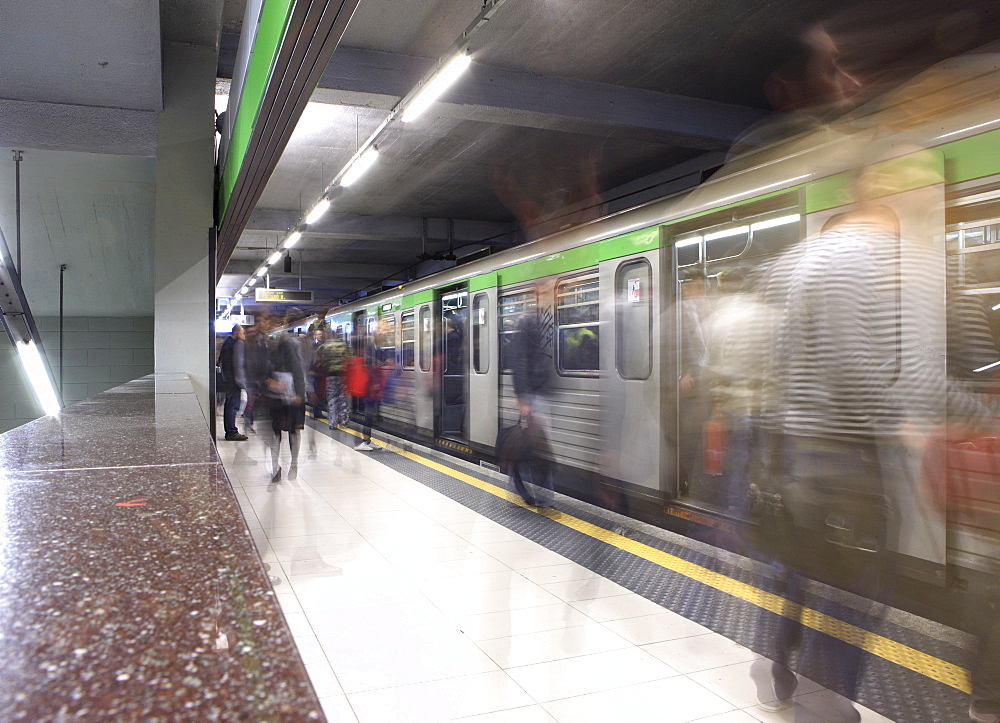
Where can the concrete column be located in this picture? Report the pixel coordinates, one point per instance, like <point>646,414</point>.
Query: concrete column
<point>183,215</point>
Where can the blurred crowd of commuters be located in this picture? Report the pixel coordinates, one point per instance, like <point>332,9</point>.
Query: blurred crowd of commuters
<point>271,379</point>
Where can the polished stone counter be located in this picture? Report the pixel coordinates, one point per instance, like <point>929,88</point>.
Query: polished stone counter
<point>130,588</point>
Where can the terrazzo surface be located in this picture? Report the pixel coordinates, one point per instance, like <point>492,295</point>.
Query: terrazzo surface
<point>130,588</point>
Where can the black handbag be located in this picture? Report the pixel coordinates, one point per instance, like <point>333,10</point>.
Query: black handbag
<point>510,447</point>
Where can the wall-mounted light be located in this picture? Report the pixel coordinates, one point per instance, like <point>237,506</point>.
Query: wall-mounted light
<point>357,169</point>
<point>38,377</point>
<point>436,86</point>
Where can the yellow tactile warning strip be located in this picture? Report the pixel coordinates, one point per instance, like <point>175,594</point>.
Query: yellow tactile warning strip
<point>910,658</point>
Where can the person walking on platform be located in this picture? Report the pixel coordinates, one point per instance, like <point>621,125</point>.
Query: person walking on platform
<point>378,368</point>
<point>286,385</point>
<point>531,366</point>
<point>331,357</point>
<point>232,360</point>
<point>257,354</point>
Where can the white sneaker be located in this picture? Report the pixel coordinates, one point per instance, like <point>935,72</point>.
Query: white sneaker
<point>363,447</point>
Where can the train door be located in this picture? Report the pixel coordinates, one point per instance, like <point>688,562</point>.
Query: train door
<point>630,359</point>
<point>452,363</point>
<point>424,397</point>
<point>484,363</point>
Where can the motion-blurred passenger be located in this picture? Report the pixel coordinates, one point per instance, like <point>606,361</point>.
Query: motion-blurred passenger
<point>834,421</point>
<point>331,357</point>
<point>232,360</point>
<point>531,368</point>
<point>286,389</point>
<point>734,370</point>
<point>693,393</point>
<point>257,361</point>
<point>378,365</point>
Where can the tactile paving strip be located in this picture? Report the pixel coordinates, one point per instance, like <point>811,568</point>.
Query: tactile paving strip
<point>907,676</point>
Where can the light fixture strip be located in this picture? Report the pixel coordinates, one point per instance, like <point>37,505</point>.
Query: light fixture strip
<point>726,233</point>
<point>459,47</point>
<point>436,86</point>
<point>38,377</point>
<point>771,223</point>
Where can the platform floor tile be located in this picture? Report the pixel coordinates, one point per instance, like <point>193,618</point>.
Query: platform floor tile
<point>409,604</point>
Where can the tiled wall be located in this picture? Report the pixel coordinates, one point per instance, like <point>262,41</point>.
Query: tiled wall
<point>100,353</point>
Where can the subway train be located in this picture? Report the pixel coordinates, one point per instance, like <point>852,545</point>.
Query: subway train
<point>609,292</point>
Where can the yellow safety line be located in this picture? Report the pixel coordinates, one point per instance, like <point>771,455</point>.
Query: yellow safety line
<point>885,648</point>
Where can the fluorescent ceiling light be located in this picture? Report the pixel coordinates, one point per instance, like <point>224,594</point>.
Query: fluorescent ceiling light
<point>38,377</point>
<point>275,257</point>
<point>293,237</point>
<point>436,86</point>
<point>318,210</point>
<point>688,242</point>
<point>362,164</point>
<point>988,366</point>
<point>771,223</point>
<point>262,272</point>
<point>726,233</point>
<point>253,281</point>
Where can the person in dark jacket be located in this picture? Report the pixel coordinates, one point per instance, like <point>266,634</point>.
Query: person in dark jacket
<point>257,360</point>
<point>232,360</point>
<point>286,384</point>
<point>531,368</point>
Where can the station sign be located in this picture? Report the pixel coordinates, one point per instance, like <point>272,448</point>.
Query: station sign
<point>283,296</point>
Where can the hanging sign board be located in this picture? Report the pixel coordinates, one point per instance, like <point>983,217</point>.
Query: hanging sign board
<point>283,296</point>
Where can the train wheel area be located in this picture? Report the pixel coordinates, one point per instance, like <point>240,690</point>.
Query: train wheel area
<point>420,587</point>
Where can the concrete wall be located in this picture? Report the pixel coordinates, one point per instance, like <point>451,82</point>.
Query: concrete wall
<point>100,353</point>
<point>183,216</point>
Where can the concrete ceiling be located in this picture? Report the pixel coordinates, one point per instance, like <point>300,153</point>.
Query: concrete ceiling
<point>81,95</point>
<point>572,108</point>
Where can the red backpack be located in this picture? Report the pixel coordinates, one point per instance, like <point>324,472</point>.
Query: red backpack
<point>356,377</point>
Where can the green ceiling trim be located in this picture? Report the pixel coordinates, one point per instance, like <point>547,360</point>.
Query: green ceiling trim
<point>270,33</point>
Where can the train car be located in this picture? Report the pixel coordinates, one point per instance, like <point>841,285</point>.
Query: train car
<point>625,430</point>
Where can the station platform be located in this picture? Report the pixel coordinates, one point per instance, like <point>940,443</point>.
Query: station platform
<point>420,588</point>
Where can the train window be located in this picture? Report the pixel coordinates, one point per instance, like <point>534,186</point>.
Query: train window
<point>385,338</point>
<point>408,334</point>
<point>688,250</point>
<point>480,333</point>
<point>726,243</point>
<point>578,311</point>
<point>511,307</point>
<point>426,339</point>
<point>634,320</point>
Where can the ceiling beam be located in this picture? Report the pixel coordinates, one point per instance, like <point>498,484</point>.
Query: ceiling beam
<point>65,127</point>
<point>374,79</point>
<point>323,270</point>
<point>383,228</point>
